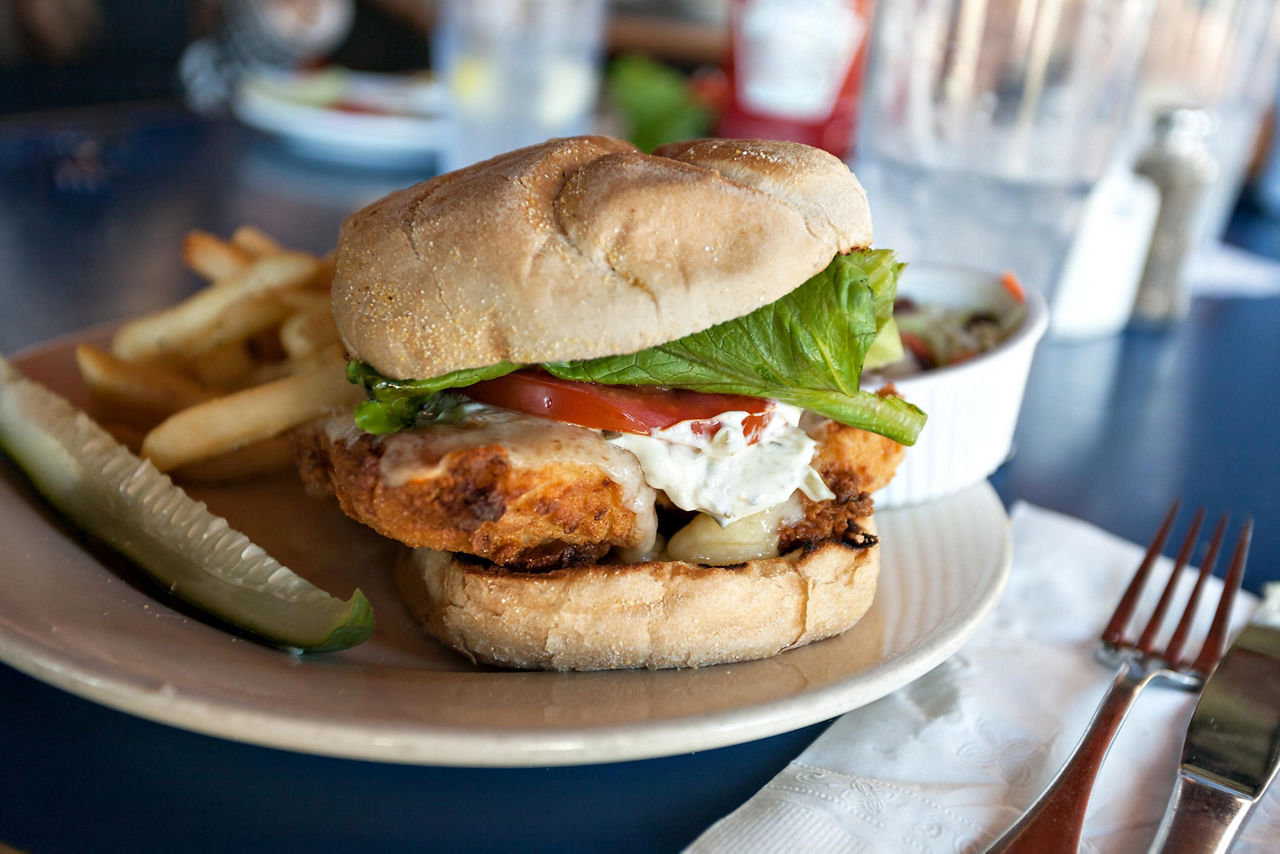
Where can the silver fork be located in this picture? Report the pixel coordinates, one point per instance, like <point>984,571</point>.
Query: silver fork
<point>1054,822</point>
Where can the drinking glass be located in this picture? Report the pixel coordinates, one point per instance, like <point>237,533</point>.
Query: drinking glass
<point>1222,57</point>
<point>986,122</point>
<point>517,71</point>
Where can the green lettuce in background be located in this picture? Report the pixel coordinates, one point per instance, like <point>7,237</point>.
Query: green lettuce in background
<point>808,349</point>
<point>655,102</point>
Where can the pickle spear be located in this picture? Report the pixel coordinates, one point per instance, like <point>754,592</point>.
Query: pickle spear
<point>124,501</point>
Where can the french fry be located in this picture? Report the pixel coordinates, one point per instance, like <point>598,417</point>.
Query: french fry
<point>226,423</point>
<point>304,300</point>
<point>261,458</point>
<point>255,241</point>
<point>261,335</point>
<point>212,257</point>
<point>176,328</point>
<point>240,321</point>
<point>308,332</point>
<point>136,394</point>
<point>266,372</point>
<point>323,279</point>
<point>227,366</point>
<point>265,347</point>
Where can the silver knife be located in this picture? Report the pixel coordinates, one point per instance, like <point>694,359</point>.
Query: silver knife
<point>1232,748</point>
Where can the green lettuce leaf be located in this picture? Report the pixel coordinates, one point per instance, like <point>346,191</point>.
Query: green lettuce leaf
<point>398,404</point>
<point>885,349</point>
<point>806,349</point>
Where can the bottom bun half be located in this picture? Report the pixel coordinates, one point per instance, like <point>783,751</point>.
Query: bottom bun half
<point>652,615</point>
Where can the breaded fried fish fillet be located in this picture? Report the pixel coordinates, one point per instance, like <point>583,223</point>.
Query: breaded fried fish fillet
<point>524,492</point>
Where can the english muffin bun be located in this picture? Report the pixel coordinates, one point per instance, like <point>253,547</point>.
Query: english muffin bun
<point>585,247</point>
<point>654,615</point>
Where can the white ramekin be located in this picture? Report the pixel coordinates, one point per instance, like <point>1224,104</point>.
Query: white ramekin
<point>973,406</point>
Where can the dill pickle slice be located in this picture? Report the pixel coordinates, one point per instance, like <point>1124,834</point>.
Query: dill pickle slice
<point>124,501</point>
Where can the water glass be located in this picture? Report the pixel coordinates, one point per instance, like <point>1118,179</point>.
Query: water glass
<point>517,71</point>
<point>986,122</point>
<point>1222,57</point>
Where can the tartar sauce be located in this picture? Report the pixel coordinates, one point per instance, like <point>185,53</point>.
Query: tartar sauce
<point>722,475</point>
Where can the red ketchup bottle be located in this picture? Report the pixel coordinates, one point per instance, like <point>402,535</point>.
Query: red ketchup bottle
<point>795,70</point>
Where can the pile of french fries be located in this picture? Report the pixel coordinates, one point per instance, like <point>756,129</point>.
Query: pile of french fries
<point>208,389</point>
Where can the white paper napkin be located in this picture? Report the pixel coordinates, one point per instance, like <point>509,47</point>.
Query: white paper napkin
<point>948,762</point>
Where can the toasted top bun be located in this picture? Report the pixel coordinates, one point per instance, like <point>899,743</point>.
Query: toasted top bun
<point>585,247</point>
<point>653,615</point>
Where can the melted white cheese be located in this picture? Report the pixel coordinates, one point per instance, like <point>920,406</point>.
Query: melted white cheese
<point>723,476</point>
<point>749,538</point>
<point>342,428</point>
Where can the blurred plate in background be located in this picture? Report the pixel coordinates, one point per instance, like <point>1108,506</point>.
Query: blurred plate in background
<point>348,117</point>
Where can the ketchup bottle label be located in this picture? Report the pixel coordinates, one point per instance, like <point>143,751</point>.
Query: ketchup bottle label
<point>795,68</point>
<point>793,58</point>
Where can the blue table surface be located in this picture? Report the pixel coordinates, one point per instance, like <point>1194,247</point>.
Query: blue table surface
<point>92,207</point>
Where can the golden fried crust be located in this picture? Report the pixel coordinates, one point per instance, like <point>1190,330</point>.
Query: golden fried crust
<point>835,519</point>
<point>845,452</point>
<point>853,463</point>
<point>551,515</point>
<point>478,501</point>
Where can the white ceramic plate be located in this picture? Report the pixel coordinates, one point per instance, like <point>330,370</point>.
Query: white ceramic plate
<point>348,117</point>
<point>86,622</point>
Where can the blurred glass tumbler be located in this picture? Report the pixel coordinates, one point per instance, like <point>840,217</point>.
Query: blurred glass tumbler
<point>517,71</point>
<point>1223,57</point>
<point>986,122</point>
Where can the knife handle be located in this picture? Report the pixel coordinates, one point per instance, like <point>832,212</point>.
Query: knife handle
<point>1202,818</point>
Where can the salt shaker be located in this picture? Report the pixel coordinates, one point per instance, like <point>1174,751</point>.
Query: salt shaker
<point>1178,161</point>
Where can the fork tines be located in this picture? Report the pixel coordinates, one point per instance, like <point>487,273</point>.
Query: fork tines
<point>1215,641</point>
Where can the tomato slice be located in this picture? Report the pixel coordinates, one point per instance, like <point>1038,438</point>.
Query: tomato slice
<point>624,408</point>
